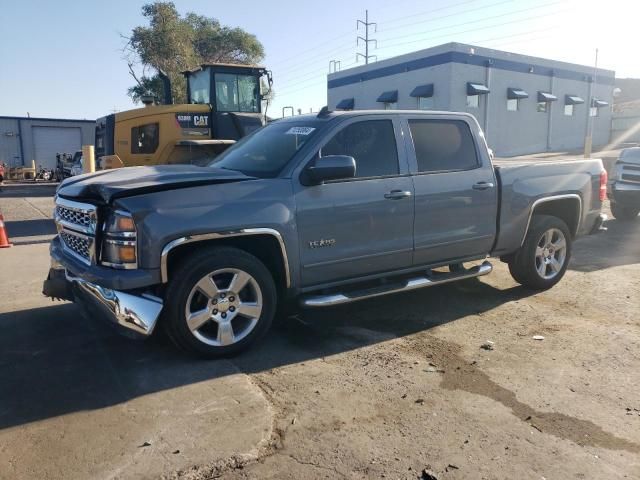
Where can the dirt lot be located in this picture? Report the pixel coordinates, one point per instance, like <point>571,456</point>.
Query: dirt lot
<point>397,387</point>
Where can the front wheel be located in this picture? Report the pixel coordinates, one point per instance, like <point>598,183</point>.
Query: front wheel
<point>219,301</point>
<point>542,260</point>
<point>624,213</point>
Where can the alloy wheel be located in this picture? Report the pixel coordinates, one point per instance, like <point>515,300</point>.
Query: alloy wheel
<point>223,307</point>
<point>551,253</point>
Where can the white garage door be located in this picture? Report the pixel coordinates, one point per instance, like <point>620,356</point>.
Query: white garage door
<point>47,141</point>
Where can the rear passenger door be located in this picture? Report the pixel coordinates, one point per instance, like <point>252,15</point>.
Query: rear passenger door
<point>364,225</point>
<point>455,190</point>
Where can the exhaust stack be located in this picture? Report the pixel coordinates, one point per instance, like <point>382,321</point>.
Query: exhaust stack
<point>166,86</point>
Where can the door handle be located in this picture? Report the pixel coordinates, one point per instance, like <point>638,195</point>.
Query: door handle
<point>397,194</point>
<point>483,185</point>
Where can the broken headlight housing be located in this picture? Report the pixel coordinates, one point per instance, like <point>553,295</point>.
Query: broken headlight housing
<point>119,244</point>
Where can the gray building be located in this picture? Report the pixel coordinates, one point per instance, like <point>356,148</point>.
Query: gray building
<point>524,104</point>
<point>23,139</point>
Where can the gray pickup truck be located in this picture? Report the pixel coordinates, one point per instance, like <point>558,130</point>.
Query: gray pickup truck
<point>313,211</point>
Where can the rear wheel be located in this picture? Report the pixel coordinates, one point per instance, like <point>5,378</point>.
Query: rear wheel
<point>624,213</point>
<point>542,260</point>
<point>219,302</point>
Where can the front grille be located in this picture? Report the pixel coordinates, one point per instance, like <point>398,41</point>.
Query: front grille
<point>79,244</point>
<point>631,178</point>
<point>76,223</point>
<point>76,217</point>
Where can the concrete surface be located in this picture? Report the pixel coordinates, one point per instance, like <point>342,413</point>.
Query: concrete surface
<point>27,210</point>
<point>78,401</point>
<point>381,389</point>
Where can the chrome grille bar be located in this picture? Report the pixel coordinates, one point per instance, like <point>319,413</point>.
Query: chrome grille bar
<point>77,224</point>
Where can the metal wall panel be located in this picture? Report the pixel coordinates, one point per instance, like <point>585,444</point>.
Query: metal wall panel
<point>48,141</point>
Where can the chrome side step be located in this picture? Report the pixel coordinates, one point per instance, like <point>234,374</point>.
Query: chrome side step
<point>410,284</point>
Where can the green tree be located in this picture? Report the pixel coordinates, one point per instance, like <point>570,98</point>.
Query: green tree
<point>174,43</point>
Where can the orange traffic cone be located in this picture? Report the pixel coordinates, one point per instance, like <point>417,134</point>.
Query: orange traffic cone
<point>4,239</point>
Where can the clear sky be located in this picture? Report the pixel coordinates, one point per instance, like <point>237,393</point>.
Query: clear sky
<point>63,58</point>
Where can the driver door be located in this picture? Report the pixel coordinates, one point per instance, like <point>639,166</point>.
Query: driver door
<point>364,225</point>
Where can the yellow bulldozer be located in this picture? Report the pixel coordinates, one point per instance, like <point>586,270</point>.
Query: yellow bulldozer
<point>224,105</point>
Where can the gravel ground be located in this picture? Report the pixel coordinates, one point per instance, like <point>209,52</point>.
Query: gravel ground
<point>399,386</point>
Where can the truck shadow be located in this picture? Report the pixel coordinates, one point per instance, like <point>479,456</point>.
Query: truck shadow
<point>619,245</point>
<point>54,362</point>
<point>29,228</point>
<point>21,190</point>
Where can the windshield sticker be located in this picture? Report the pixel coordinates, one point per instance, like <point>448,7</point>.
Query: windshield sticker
<point>299,131</point>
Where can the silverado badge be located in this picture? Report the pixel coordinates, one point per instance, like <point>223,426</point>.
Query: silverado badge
<point>329,242</point>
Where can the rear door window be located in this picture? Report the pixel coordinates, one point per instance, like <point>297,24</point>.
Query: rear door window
<point>372,143</point>
<point>443,145</point>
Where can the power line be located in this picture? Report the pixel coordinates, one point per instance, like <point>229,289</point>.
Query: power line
<point>446,27</point>
<point>429,20</point>
<point>311,59</point>
<point>503,37</point>
<point>511,22</point>
<point>309,76</point>
<point>517,35</point>
<point>291,60</point>
<point>315,47</point>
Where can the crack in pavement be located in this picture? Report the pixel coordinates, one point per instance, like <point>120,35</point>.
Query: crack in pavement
<point>460,375</point>
<point>313,464</point>
<point>266,447</point>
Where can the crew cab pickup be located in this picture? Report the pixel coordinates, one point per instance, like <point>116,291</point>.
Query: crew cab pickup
<point>314,210</point>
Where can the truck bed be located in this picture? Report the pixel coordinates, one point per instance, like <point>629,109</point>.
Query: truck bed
<point>523,183</point>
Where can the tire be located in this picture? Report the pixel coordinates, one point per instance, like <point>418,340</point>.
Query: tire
<point>225,320</point>
<point>541,262</point>
<point>624,213</point>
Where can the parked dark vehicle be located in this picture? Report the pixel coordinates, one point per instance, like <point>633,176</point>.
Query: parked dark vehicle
<point>624,188</point>
<point>315,211</point>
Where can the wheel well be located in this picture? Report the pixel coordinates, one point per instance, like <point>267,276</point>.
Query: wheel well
<point>265,247</point>
<point>566,209</point>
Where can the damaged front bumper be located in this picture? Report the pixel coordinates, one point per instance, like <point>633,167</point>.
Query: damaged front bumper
<point>136,315</point>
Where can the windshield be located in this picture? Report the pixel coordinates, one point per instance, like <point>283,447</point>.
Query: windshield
<point>237,93</point>
<point>199,86</point>
<point>265,153</point>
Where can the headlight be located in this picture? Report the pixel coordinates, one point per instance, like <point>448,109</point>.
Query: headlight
<point>119,247</point>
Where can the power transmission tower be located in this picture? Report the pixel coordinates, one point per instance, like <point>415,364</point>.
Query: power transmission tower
<point>366,38</point>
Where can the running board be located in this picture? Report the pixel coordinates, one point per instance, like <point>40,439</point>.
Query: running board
<point>435,278</point>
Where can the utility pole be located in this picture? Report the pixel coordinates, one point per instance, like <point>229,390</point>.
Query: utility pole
<point>588,141</point>
<point>366,38</point>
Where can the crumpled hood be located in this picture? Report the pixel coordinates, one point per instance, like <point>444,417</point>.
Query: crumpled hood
<point>108,185</point>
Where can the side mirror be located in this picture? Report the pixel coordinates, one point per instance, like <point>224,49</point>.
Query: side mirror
<point>332,167</point>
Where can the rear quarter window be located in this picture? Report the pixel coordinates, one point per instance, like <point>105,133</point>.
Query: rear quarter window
<point>443,145</point>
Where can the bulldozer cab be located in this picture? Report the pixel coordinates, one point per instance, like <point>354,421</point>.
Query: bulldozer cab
<point>234,93</point>
<point>224,104</point>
